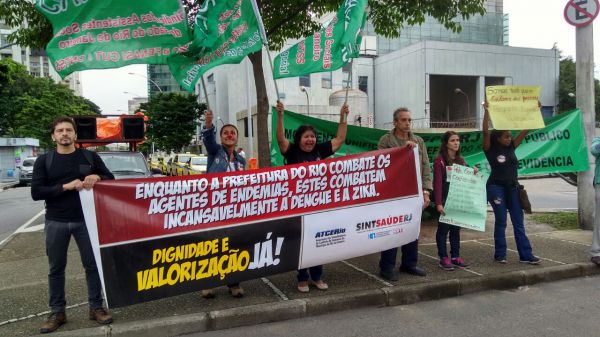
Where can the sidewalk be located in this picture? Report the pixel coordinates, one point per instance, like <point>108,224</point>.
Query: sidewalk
<point>8,184</point>
<point>353,283</point>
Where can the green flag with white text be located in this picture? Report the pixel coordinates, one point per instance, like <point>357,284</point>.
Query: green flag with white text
<point>559,147</point>
<point>100,34</point>
<point>225,32</point>
<point>326,50</point>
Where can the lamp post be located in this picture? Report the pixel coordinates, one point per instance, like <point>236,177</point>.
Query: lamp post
<point>459,91</point>
<point>149,80</point>
<point>303,89</point>
<point>134,94</point>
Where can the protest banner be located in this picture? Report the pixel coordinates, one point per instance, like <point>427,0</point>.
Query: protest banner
<point>161,237</point>
<point>224,32</point>
<point>559,147</point>
<point>514,107</point>
<point>113,33</point>
<point>328,49</point>
<point>466,205</point>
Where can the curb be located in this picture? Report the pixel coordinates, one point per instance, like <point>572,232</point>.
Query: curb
<point>293,309</point>
<point>8,185</point>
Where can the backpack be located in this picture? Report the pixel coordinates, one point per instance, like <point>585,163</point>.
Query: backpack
<point>87,154</point>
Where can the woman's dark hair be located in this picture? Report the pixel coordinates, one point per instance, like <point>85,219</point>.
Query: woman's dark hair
<point>62,119</point>
<point>231,125</point>
<point>495,137</point>
<point>301,130</point>
<point>444,149</point>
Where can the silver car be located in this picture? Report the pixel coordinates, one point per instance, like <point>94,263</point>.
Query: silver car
<point>127,165</point>
<point>26,170</point>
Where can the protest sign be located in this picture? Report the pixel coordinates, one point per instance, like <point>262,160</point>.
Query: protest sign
<point>328,49</point>
<point>224,32</point>
<point>466,205</point>
<point>161,237</point>
<point>113,33</point>
<point>514,107</point>
<point>559,147</point>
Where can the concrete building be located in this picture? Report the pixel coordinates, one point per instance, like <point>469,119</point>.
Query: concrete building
<point>12,153</point>
<point>36,61</point>
<point>160,80</point>
<point>134,104</point>
<point>422,70</point>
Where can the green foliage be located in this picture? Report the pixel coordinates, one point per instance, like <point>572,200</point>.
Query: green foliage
<point>28,104</point>
<point>172,120</point>
<point>567,84</point>
<point>560,220</point>
<point>38,30</point>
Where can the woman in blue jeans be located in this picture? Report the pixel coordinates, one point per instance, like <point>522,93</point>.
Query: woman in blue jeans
<point>503,191</point>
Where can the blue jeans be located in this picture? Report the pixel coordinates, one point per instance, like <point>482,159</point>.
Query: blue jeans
<point>502,199</point>
<point>410,255</point>
<point>314,273</point>
<point>58,235</point>
<point>440,239</point>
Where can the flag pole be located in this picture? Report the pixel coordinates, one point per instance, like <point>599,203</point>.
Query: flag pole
<point>261,27</point>
<point>205,92</point>
<point>349,81</point>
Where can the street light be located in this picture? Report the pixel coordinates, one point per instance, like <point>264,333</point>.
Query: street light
<point>134,94</point>
<point>149,80</point>
<point>303,89</point>
<point>459,91</point>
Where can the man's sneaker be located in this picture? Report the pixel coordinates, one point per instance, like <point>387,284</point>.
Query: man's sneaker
<point>459,262</point>
<point>54,321</point>
<point>208,293</point>
<point>445,264</point>
<point>389,275</point>
<point>533,260</point>
<point>596,260</point>
<point>101,316</point>
<point>236,292</point>
<point>500,259</point>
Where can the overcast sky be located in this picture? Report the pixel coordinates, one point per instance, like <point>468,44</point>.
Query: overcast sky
<point>532,23</point>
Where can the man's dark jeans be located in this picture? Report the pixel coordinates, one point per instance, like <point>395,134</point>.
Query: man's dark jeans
<point>58,236</point>
<point>410,255</point>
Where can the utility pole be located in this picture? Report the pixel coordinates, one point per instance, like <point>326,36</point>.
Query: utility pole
<point>581,14</point>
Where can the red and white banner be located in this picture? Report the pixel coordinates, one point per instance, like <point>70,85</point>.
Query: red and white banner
<point>161,237</point>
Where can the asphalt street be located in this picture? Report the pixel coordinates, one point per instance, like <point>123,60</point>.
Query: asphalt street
<point>563,309</point>
<point>17,209</point>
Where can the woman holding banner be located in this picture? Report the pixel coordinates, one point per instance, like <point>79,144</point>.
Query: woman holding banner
<point>222,158</point>
<point>449,154</point>
<point>306,149</point>
<point>503,190</point>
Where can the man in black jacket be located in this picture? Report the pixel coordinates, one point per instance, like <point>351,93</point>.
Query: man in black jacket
<point>57,178</point>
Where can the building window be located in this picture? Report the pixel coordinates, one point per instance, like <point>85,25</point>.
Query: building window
<point>363,84</point>
<point>211,78</point>
<point>326,80</point>
<point>246,130</point>
<point>304,80</point>
<point>345,74</point>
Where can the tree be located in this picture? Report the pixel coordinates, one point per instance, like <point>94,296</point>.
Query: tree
<point>172,119</point>
<point>285,19</point>
<point>567,85</point>
<point>29,104</point>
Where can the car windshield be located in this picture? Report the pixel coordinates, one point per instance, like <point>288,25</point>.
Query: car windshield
<point>184,159</point>
<point>28,162</point>
<point>199,160</point>
<point>124,163</point>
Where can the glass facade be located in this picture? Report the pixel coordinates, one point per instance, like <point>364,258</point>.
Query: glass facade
<point>159,75</point>
<point>490,28</point>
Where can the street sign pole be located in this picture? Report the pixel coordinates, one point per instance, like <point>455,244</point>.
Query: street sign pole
<point>581,14</point>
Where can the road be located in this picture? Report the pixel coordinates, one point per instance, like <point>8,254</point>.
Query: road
<point>16,209</point>
<point>551,194</point>
<point>562,309</point>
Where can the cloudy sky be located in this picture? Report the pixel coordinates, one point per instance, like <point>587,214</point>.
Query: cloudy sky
<point>532,23</point>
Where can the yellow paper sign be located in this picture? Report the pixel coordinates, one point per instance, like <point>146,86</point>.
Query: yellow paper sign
<point>514,107</point>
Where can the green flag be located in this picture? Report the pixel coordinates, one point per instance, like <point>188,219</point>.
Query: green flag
<point>329,49</point>
<point>225,32</point>
<point>559,147</point>
<point>94,34</point>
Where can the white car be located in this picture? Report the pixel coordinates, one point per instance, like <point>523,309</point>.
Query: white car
<point>26,170</point>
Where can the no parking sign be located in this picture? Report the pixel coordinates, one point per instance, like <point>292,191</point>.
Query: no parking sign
<point>581,13</point>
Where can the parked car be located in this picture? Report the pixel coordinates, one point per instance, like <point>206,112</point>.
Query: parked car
<point>26,170</point>
<point>126,165</point>
<point>177,167</point>
<point>197,165</point>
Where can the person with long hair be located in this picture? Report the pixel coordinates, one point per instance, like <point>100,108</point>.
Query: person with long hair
<point>222,158</point>
<point>306,149</point>
<point>503,190</point>
<point>449,154</point>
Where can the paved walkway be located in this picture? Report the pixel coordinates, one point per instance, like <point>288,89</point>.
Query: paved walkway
<point>353,283</point>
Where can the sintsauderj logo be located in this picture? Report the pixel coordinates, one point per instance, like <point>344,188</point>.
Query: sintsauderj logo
<point>390,221</point>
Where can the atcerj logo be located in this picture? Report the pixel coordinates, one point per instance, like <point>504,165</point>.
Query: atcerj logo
<point>330,232</point>
<point>383,222</point>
